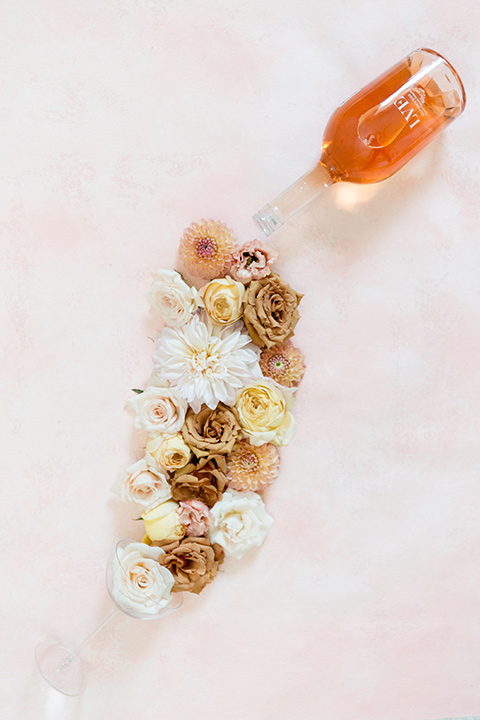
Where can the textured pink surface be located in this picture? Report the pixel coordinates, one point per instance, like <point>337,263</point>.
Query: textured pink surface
<point>121,122</point>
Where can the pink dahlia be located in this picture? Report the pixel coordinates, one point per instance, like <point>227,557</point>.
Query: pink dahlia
<point>252,468</point>
<point>283,363</point>
<point>206,248</point>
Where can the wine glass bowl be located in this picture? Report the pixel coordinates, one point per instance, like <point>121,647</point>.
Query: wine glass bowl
<point>137,584</point>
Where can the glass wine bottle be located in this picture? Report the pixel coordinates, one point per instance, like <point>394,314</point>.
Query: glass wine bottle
<point>376,131</point>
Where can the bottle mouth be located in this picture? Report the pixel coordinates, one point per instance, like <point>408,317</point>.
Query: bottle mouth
<point>268,219</point>
<point>455,74</point>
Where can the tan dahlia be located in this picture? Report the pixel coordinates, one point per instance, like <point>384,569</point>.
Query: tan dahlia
<point>252,468</point>
<point>283,363</point>
<point>206,248</point>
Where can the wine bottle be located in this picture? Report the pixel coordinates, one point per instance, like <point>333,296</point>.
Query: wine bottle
<point>376,131</point>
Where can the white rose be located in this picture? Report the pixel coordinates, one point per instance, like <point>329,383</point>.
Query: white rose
<point>223,300</point>
<point>143,485</point>
<point>155,381</point>
<point>171,452</point>
<point>140,584</point>
<point>172,298</point>
<point>159,410</point>
<point>264,412</point>
<point>240,522</point>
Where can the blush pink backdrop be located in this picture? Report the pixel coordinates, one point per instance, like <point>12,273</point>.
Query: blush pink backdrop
<point>121,122</point>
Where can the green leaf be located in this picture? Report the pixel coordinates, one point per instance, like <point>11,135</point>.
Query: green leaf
<point>136,390</point>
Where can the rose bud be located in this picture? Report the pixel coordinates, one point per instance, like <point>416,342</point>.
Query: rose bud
<point>163,523</point>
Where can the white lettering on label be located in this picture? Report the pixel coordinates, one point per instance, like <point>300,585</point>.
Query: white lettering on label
<point>407,111</point>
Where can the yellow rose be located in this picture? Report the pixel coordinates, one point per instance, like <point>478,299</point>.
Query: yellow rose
<point>163,522</point>
<point>223,300</point>
<point>171,452</point>
<point>264,413</point>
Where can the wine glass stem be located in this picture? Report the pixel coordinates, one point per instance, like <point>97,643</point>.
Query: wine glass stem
<point>76,650</point>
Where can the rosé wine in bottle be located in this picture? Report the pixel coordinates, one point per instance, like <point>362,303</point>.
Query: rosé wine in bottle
<point>376,131</point>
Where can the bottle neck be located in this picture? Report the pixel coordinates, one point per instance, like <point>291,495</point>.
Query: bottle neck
<point>288,203</point>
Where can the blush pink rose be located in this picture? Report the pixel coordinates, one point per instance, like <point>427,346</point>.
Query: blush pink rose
<point>252,262</point>
<point>195,516</point>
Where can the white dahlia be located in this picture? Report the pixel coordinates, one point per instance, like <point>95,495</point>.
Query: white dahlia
<point>205,363</point>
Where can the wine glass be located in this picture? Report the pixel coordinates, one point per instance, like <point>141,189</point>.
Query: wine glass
<point>138,586</point>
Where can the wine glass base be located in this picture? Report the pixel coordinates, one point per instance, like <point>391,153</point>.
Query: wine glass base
<point>60,668</point>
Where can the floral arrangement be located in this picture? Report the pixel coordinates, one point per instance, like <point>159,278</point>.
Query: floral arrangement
<point>215,411</point>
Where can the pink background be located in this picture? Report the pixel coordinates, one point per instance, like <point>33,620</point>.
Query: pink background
<point>121,122</point>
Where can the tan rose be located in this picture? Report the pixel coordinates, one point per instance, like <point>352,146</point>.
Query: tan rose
<point>264,412</point>
<point>270,310</point>
<point>193,563</point>
<point>204,481</point>
<point>163,522</point>
<point>211,432</point>
<point>222,299</point>
<point>172,453</point>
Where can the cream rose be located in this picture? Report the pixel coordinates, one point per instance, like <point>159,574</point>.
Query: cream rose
<point>171,452</point>
<point>172,298</point>
<point>158,410</point>
<point>163,522</point>
<point>142,485</point>
<point>140,584</point>
<point>240,522</point>
<point>155,381</point>
<point>222,299</point>
<point>264,413</point>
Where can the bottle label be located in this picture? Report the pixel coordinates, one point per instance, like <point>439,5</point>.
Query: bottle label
<point>411,106</point>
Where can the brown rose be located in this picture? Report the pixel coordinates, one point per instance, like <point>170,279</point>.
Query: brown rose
<point>211,432</point>
<point>204,481</point>
<point>193,563</point>
<point>270,310</point>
